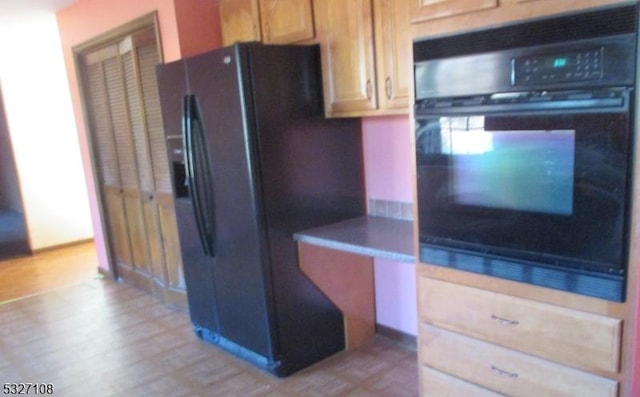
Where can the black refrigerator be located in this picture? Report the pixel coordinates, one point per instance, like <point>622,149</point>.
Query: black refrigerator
<point>254,161</point>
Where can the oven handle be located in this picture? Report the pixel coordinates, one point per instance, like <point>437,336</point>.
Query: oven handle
<point>618,103</point>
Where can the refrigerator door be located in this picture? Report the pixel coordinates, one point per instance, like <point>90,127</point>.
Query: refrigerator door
<point>198,274</point>
<point>240,261</point>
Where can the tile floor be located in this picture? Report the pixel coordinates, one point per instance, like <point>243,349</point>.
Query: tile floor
<point>101,338</point>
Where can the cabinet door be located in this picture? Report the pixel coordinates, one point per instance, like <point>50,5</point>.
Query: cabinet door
<point>286,21</point>
<point>425,10</point>
<point>239,21</point>
<point>345,32</point>
<point>393,53</point>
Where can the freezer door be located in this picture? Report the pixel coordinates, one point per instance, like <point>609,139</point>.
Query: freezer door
<point>239,264</point>
<point>196,264</point>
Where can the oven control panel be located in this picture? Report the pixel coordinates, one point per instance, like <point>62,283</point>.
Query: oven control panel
<point>584,65</point>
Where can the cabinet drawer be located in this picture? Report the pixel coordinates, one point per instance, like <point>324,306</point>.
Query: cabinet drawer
<point>436,383</point>
<point>504,370</point>
<point>571,337</point>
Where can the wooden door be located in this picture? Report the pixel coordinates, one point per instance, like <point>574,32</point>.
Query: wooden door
<point>393,53</point>
<point>286,21</point>
<point>118,96</point>
<point>131,162</point>
<point>240,21</point>
<point>106,157</point>
<point>345,32</point>
<point>158,201</point>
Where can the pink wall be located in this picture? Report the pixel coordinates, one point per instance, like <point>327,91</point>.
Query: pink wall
<point>87,19</point>
<point>396,295</point>
<point>388,154</point>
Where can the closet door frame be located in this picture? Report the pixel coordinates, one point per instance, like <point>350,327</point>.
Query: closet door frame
<point>109,38</point>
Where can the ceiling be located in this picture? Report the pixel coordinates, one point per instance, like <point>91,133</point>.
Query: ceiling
<point>13,8</point>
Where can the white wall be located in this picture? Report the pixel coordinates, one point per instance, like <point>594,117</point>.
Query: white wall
<point>43,131</point>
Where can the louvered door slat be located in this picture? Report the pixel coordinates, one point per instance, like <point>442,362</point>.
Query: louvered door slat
<point>138,128</point>
<point>147,61</point>
<point>107,158</point>
<point>120,121</point>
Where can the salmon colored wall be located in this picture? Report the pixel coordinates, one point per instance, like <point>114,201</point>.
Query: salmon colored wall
<point>87,19</point>
<point>198,26</point>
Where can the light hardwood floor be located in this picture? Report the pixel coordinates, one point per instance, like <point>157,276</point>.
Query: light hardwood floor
<point>93,337</point>
<point>33,274</point>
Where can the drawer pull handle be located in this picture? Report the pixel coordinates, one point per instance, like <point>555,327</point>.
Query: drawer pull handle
<point>388,87</point>
<point>504,321</point>
<point>503,373</point>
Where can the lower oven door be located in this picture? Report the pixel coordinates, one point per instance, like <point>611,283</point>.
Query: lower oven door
<point>545,185</point>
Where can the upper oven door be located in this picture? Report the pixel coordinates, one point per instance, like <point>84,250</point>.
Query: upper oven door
<point>541,183</point>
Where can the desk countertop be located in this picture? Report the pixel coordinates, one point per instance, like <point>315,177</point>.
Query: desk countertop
<point>379,237</point>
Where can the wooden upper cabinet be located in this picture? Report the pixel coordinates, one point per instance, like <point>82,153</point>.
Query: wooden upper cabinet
<point>366,56</point>
<point>286,21</point>
<point>393,53</point>
<point>425,10</point>
<point>365,45</point>
<point>345,33</point>
<point>239,21</point>
<point>270,21</point>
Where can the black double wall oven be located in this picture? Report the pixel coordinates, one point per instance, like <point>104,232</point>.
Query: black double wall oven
<point>524,138</point>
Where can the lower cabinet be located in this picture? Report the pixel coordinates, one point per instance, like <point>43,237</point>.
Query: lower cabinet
<point>478,342</point>
<point>507,371</point>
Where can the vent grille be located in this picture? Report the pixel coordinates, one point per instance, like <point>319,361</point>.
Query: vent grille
<point>587,25</point>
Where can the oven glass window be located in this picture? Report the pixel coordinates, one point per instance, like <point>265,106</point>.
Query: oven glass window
<point>524,170</point>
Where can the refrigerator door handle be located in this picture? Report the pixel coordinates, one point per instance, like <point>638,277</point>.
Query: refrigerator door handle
<point>197,173</point>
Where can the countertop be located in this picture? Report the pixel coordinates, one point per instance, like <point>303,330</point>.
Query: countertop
<point>374,236</point>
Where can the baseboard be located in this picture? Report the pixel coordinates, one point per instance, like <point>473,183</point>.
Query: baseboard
<point>58,246</point>
<point>106,273</point>
<point>403,339</point>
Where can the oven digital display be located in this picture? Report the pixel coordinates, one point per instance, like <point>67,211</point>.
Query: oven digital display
<point>559,63</point>
<point>565,67</point>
